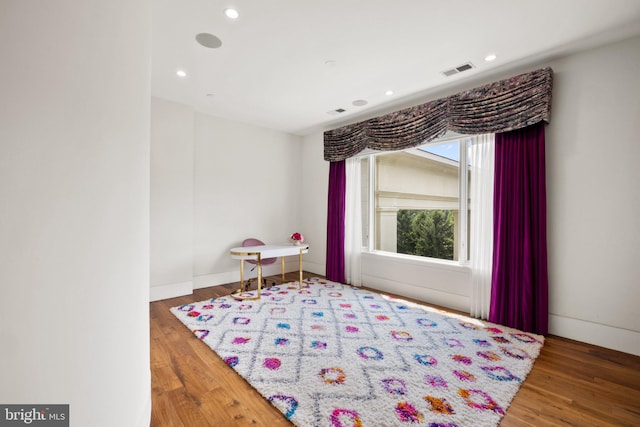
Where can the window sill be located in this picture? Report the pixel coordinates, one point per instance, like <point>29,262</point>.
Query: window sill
<point>419,261</point>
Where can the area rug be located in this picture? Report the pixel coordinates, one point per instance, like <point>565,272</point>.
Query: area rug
<point>336,355</point>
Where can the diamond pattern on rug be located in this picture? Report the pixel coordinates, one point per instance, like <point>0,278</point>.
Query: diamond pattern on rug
<point>335,355</point>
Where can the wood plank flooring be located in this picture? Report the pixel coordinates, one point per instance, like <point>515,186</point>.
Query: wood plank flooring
<point>571,384</point>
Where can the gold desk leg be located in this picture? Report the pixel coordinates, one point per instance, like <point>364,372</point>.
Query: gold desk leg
<point>259,274</point>
<point>238,294</point>
<point>300,267</point>
<point>282,258</point>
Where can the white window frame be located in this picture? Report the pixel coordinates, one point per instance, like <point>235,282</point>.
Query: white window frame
<point>463,223</point>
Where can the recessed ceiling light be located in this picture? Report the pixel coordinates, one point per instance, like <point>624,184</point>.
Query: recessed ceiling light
<point>181,73</point>
<point>360,102</point>
<point>389,92</point>
<point>490,57</point>
<point>231,13</point>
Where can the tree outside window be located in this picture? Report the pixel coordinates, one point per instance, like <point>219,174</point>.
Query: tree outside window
<point>428,233</point>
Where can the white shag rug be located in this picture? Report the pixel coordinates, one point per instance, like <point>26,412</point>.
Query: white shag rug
<point>336,355</point>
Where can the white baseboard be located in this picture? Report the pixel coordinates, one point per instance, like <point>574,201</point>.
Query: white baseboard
<point>171,290</point>
<point>216,279</point>
<point>620,339</point>
<point>311,267</point>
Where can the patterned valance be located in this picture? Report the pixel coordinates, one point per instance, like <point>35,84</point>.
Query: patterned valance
<point>502,106</point>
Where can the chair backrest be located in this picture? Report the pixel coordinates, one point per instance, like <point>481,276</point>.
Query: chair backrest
<point>252,242</point>
<point>257,242</point>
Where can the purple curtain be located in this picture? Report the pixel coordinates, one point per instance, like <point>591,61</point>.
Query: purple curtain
<point>519,286</point>
<point>335,221</point>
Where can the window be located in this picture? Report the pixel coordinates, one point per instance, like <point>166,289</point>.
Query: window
<point>412,201</point>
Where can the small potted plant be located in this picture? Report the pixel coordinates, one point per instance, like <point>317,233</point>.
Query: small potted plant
<point>296,238</point>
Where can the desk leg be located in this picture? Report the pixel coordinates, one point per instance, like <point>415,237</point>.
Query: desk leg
<point>300,267</point>
<point>259,274</point>
<point>239,294</point>
<point>282,258</point>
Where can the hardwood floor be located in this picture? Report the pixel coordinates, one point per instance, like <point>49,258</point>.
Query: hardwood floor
<point>571,384</point>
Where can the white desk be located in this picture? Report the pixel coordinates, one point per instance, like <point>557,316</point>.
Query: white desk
<point>261,252</point>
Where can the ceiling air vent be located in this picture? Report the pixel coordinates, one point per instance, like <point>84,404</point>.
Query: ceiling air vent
<point>336,111</point>
<point>458,69</point>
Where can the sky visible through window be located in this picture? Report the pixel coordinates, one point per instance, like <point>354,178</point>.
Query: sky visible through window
<point>449,150</point>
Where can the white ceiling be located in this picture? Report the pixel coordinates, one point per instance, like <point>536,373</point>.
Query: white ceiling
<point>272,69</point>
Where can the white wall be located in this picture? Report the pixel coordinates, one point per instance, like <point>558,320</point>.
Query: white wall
<point>593,197</point>
<point>74,222</point>
<point>247,184</point>
<point>171,242</point>
<point>315,181</point>
<point>593,204</point>
<point>215,182</point>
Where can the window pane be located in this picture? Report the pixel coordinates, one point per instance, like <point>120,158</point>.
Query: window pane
<point>428,233</point>
<point>417,201</point>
